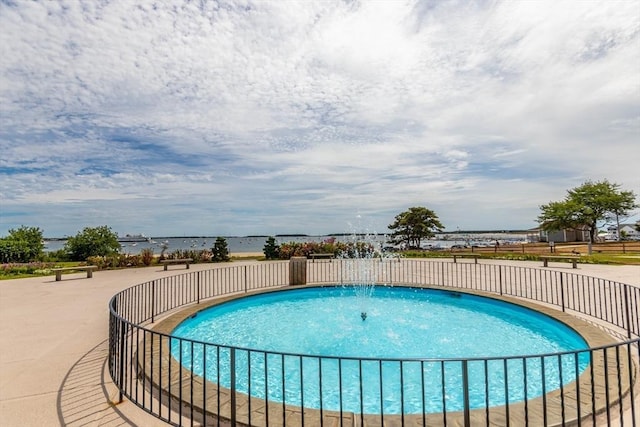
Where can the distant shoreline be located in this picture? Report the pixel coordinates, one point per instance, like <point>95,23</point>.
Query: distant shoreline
<point>444,233</point>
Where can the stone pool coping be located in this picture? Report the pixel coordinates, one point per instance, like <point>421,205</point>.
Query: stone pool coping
<point>173,383</point>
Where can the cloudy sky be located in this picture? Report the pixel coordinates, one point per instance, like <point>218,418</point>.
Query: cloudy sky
<point>264,117</point>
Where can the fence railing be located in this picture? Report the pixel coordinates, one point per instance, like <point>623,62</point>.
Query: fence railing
<point>165,375</point>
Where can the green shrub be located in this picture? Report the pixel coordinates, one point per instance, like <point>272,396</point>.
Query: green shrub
<point>56,256</point>
<point>22,245</point>
<point>220,250</point>
<point>90,242</point>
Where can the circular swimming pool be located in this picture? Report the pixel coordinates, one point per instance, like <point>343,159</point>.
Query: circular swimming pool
<point>402,350</point>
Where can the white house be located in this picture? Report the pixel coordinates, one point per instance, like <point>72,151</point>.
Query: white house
<point>627,231</point>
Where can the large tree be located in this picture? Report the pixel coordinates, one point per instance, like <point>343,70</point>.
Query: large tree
<point>413,225</point>
<point>21,245</point>
<point>587,205</point>
<point>92,241</point>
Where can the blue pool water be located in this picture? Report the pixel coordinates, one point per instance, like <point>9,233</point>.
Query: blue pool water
<point>415,325</point>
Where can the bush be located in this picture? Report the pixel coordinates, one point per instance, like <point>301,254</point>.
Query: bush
<point>92,242</point>
<point>56,256</point>
<point>22,245</point>
<point>146,255</point>
<point>197,255</point>
<point>116,261</point>
<point>328,246</point>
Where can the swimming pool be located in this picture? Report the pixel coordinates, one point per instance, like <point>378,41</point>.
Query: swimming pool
<point>414,353</point>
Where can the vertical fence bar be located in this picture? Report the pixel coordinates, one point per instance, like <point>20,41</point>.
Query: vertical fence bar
<point>606,385</point>
<point>619,379</point>
<point>381,393</point>
<point>506,391</point>
<point>266,389</point>
<point>465,393</point>
<point>245,279</point>
<point>576,372</point>
<point>123,339</point>
<point>627,309</point>
<point>443,389</point>
<point>204,384</point>
<point>631,375</point>
<point>153,298</point>
<point>486,391</point>
<point>301,367</point>
<point>284,400</point>
<point>232,372</point>
<point>526,386</point>
<point>562,291</point>
<point>320,391</point>
<point>198,274</point>
<point>179,368</point>
<point>561,382</point>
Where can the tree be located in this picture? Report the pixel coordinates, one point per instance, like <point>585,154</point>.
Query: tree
<point>622,204</point>
<point>587,205</point>
<point>22,245</point>
<point>410,227</point>
<point>96,241</point>
<point>220,251</point>
<point>271,249</point>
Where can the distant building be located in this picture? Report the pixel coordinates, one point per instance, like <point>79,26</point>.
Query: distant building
<point>627,231</point>
<point>578,234</point>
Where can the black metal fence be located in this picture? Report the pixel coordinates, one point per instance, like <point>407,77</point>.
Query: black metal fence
<point>164,375</point>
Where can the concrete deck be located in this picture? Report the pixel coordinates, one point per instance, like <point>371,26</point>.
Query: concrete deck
<point>54,345</point>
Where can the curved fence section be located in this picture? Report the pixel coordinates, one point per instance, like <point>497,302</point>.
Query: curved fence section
<point>187,382</point>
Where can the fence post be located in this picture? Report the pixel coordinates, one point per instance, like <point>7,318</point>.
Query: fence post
<point>198,285</point>
<point>500,278</point>
<point>562,290</point>
<point>465,393</point>
<point>123,338</point>
<point>245,278</point>
<point>153,300</point>
<point>297,271</point>
<point>627,292</point>
<point>232,368</point>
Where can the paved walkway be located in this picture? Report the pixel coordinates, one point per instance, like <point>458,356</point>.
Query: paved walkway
<point>54,345</point>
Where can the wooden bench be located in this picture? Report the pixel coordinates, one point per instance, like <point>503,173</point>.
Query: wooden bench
<point>573,258</point>
<point>320,256</point>
<point>88,268</point>
<point>474,256</point>
<point>186,261</point>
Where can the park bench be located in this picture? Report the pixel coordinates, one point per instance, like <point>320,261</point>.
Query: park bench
<point>166,262</point>
<point>572,258</point>
<point>474,256</point>
<point>321,256</point>
<point>88,268</point>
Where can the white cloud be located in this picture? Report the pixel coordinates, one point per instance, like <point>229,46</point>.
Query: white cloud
<point>242,115</point>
